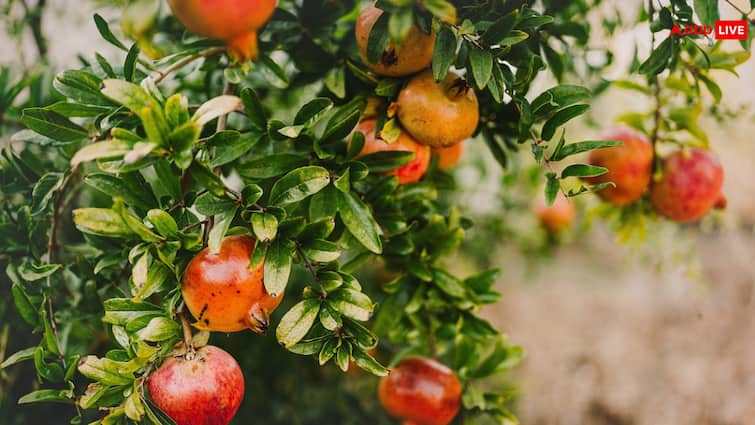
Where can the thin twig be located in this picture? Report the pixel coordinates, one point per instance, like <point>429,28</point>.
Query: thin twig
<point>53,253</point>
<point>187,60</point>
<point>656,96</point>
<point>34,17</point>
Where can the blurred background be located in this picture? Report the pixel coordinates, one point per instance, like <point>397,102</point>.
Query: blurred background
<point>646,323</point>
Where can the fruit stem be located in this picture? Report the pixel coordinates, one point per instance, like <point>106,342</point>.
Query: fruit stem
<point>190,352</point>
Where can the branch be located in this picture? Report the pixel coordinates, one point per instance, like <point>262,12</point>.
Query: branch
<point>53,254</point>
<point>187,60</point>
<point>35,23</point>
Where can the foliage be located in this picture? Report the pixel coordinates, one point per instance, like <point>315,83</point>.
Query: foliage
<point>126,170</point>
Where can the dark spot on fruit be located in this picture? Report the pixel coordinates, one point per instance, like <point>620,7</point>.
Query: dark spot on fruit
<point>201,313</point>
<point>206,321</point>
<point>389,57</point>
<point>238,291</point>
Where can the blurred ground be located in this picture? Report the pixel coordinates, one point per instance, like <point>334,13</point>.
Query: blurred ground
<point>612,339</point>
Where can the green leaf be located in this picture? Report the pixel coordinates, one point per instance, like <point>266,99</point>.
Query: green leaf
<point>270,166</point>
<point>68,109</point>
<point>278,262</point>
<point>101,150</point>
<point>128,94</point>
<point>399,24</point>
<point>658,59</point>
<point>342,122</point>
<point>378,38</point>
<point>53,125</point>
<point>105,371</point>
<point>58,396</point>
<point>270,64</point>
<point>104,30</point>
<point>712,86</point>
<point>552,186</point>
<point>441,9</point>
<point>297,321</point>
<point>448,283</point>
<point>133,223</point>
<point>153,281</point>
<point>352,304</point>
<point>131,189</point>
<point>210,204</point>
<point>129,65</point>
<point>560,118</point>
<point>265,226</point>
<point>707,10</point>
<point>497,83</point>
<point>335,81</point>
<point>253,108</point>
<point>359,221</point>
<point>217,233</point>
<point>299,184</point>
<point>583,170</point>
<point>216,107</point>
<point>24,305</point>
<point>481,62</point>
<point>122,311</point>
<point>160,329</point>
<point>324,204</point>
<point>167,179</point>
<point>514,37</point>
<point>206,178</point>
<point>18,357</point>
<point>368,363</point>
<point>312,110</point>
<point>329,318</point>
<point>444,53</point>
<point>500,28</point>
<point>579,147</point>
<point>101,221</point>
<point>558,97</point>
<point>44,190</point>
<point>81,87</point>
<point>321,251</point>
<point>382,161</point>
<point>163,223</point>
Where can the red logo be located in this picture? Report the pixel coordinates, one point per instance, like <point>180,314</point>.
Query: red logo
<point>731,30</point>
<point>691,30</point>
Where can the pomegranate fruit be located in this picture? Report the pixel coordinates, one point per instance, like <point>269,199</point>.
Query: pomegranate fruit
<point>450,156</point>
<point>414,54</point>
<point>557,217</point>
<point>630,166</point>
<point>438,114</point>
<point>421,391</point>
<point>409,173</point>
<point>223,293</point>
<point>234,21</point>
<point>690,185</point>
<point>202,388</point>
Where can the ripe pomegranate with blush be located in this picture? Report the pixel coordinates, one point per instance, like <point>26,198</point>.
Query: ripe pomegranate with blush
<point>557,217</point>
<point>409,173</point>
<point>204,387</point>
<point>223,293</point>
<point>630,166</point>
<point>438,114</point>
<point>689,187</point>
<point>234,21</point>
<point>421,391</point>
<point>414,54</point>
